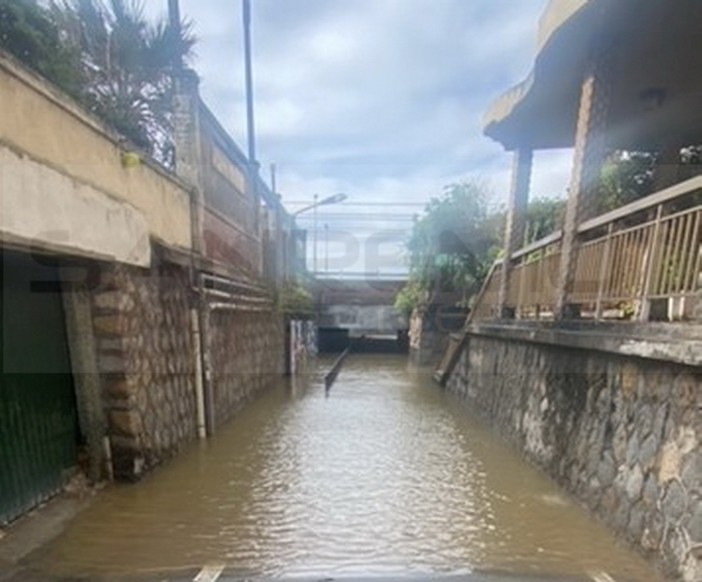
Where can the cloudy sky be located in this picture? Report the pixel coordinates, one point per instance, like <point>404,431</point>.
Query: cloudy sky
<point>379,99</point>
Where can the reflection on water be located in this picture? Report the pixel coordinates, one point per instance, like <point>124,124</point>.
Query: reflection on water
<point>388,475</point>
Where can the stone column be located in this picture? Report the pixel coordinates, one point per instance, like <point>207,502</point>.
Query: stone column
<point>516,221</point>
<point>589,156</point>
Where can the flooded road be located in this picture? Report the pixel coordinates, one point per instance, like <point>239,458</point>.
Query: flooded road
<point>387,476</point>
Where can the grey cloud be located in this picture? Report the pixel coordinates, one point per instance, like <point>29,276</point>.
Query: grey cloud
<point>372,96</point>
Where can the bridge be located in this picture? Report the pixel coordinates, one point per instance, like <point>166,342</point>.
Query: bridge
<point>359,309</point>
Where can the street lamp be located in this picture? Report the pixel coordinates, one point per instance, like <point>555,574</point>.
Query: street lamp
<point>335,199</point>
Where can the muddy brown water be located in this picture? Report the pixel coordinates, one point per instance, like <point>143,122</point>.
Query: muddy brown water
<point>388,476</point>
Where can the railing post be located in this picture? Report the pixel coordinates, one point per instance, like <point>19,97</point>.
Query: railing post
<point>516,220</point>
<point>604,272</point>
<point>651,267</point>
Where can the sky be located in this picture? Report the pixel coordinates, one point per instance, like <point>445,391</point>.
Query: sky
<point>378,99</point>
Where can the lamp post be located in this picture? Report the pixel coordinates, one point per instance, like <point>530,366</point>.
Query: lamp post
<point>335,199</point>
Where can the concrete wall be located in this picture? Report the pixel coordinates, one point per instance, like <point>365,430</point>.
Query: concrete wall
<point>302,346</point>
<point>54,151</point>
<point>363,319</point>
<point>45,209</point>
<point>620,433</point>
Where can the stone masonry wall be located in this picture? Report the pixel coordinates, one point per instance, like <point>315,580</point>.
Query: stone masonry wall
<point>247,354</point>
<point>425,340</point>
<point>621,434</point>
<point>146,361</point>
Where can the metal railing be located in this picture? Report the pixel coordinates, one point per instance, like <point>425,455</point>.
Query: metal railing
<point>642,261</point>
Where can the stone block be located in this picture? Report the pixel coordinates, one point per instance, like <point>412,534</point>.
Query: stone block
<point>112,363</point>
<point>694,525</point>
<point>119,389</point>
<point>110,301</point>
<point>110,325</point>
<point>653,533</point>
<point>674,502</point>
<point>649,451</point>
<point>124,423</point>
<point>692,472</point>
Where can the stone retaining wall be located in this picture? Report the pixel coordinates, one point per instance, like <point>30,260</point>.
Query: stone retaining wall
<point>146,360</point>
<point>620,433</point>
<point>247,354</point>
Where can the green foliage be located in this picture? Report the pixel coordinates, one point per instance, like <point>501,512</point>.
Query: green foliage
<point>451,246</point>
<point>626,177</point>
<point>410,296</point>
<point>128,67</point>
<point>544,216</point>
<point>294,300</point>
<point>108,56</point>
<point>29,33</point>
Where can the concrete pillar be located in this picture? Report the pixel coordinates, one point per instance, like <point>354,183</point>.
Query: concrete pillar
<point>668,166</point>
<point>86,377</point>
<point>589,157</point>
<point>187,137</point>
<point>516,221</point>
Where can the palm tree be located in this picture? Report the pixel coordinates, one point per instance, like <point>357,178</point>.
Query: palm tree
<point>128,67</point>
<point>28,32</point>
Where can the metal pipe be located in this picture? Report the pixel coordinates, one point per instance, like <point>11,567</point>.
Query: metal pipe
<point>199,385</point>
<point>231,283</point>
<point>236,307</point>
<point>107,447</point>
<point>248,61</point>
<point>175,22</point>
<point>314,237</point>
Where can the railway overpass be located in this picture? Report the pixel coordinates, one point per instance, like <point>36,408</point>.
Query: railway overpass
<point>358,309</point>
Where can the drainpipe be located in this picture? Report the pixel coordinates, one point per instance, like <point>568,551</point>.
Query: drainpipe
<point>199,385</point>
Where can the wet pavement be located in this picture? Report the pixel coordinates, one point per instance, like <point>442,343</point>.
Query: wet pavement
<point>387,477</point>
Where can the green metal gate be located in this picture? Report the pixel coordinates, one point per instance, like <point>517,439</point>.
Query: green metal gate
<point>38,419</point>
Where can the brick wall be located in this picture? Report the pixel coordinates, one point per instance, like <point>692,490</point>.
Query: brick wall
<point>622,434</point>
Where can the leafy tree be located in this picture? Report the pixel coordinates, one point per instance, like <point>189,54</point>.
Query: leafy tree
<point>452,246</point>
<point>128,66</point>
<point>544,216</point>
<point>108,56</point>
<point>29,33</point>
<point>626,177</point>
<point>295,301</point>
<point>409,297</point>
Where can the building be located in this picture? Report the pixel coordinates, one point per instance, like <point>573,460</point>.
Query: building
<point>139,306</point>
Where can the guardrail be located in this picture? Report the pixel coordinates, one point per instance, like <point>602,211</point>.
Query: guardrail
<point>642,261</point>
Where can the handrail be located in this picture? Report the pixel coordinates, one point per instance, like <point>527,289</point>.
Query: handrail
<point>330,377</point>
<point>626,271</point>
<point>656,199</point>
<point>483,289</point>
<point>549,240</point>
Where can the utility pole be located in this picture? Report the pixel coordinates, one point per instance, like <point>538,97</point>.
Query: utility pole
<point>248,61</point>
<point>250,122</point>
<point>175,21</point>
<point>314,233</point>
<point>326,247</point>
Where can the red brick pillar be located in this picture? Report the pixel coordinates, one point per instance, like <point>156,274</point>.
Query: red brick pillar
<point>590,152</point>
<point>516,221</point>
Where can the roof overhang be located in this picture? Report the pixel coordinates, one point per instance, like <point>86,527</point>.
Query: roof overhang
<point>656,81</point>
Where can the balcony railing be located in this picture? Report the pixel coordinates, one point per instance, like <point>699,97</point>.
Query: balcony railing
<point>642,261</point>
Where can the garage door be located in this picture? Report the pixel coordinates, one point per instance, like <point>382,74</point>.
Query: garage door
<point>38,420</point>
